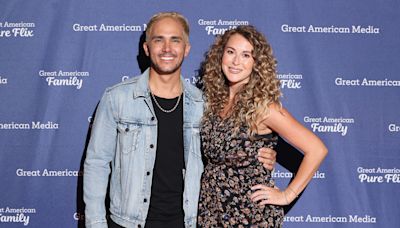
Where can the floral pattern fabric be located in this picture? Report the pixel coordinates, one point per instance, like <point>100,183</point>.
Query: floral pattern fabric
<point>231,170</point>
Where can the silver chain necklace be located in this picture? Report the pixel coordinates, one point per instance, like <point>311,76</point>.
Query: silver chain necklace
<point>165,110</point>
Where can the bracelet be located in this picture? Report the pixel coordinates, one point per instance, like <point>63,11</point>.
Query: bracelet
<point>287,201</point>
<point>292,191</point>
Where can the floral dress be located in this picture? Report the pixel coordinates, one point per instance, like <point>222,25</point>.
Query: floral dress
<point>231,170</point>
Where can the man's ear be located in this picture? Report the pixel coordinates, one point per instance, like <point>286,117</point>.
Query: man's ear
<point>187,49</point>
<point>146,49</point>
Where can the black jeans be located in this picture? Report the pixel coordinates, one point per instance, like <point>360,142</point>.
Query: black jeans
<point>112,224</point>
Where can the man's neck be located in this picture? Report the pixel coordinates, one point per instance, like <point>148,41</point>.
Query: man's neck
<point>165,85</point>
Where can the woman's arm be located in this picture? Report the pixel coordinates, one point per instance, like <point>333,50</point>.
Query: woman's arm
<point>282,122</point>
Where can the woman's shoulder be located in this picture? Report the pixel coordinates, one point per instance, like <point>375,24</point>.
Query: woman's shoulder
<point>274,112</point>
<point>274,108</point>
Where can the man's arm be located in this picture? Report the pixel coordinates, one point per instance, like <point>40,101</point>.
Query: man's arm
<point>96,170</point>
<point>267,156</point>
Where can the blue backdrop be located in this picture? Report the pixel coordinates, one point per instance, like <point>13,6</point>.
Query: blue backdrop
<point>337,60</point>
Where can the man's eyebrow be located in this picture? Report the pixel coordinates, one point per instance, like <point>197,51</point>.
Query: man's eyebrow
<point>163,37</point>
<point>157,37</point>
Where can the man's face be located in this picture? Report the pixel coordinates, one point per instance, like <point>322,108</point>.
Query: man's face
<point>167,46</point>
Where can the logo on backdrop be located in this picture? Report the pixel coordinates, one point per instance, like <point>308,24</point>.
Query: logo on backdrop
<point>277,174</point>
<point>35,125</point>
<point>124,78</point>
<point>367,82</point>
<point>108,28</point>
<point>352,29</point>
<point>394,127</point>
<point>48,173</point>
<point>290,81</point>
<point>219,26</point>
<point>193,79</point>
<point>379,175</point>
<point>16,215</point>
<point>79,216</point>
<point>330,219</point>
<point>64,78</point>
<point>3,80</point>
<point>329,124</point>
<point>16,29</point>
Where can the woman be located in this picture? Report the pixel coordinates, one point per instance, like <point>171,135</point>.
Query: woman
<point>242,114</point>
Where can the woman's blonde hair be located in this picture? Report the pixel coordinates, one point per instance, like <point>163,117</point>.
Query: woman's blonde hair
<point>252,100</point>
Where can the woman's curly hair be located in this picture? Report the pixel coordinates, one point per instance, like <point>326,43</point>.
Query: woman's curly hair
<point>252,100</point>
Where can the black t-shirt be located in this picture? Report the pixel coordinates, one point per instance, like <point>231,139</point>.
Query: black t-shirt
<point>166,201</point>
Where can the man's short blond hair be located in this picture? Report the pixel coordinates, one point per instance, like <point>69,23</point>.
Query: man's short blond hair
<point>173,15</point>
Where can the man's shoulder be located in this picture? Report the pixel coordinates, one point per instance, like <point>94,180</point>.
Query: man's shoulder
<point>124,84</point>
<point>136,85</point>
<point>193,92</point>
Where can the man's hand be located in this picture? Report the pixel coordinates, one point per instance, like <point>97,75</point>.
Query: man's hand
<point>267,156</point>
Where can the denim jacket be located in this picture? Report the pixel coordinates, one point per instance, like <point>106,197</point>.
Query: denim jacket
<point>124,134</point>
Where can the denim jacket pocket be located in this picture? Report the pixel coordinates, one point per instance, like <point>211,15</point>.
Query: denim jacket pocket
<point>127,136</point>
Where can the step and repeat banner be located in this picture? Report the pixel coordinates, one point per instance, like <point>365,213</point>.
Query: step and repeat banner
<point>338,62</point>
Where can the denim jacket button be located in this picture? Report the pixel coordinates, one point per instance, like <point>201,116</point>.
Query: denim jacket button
<point>126,129</point>
<point>139,226</point>
<point>151,146</point>
<point>152,118</point>
<point>148,173</point>
<point>145,200</point>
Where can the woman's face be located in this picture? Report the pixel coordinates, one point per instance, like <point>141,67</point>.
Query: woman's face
<point>237,60</point>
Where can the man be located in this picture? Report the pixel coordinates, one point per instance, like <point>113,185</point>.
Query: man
<point>148,129</point>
